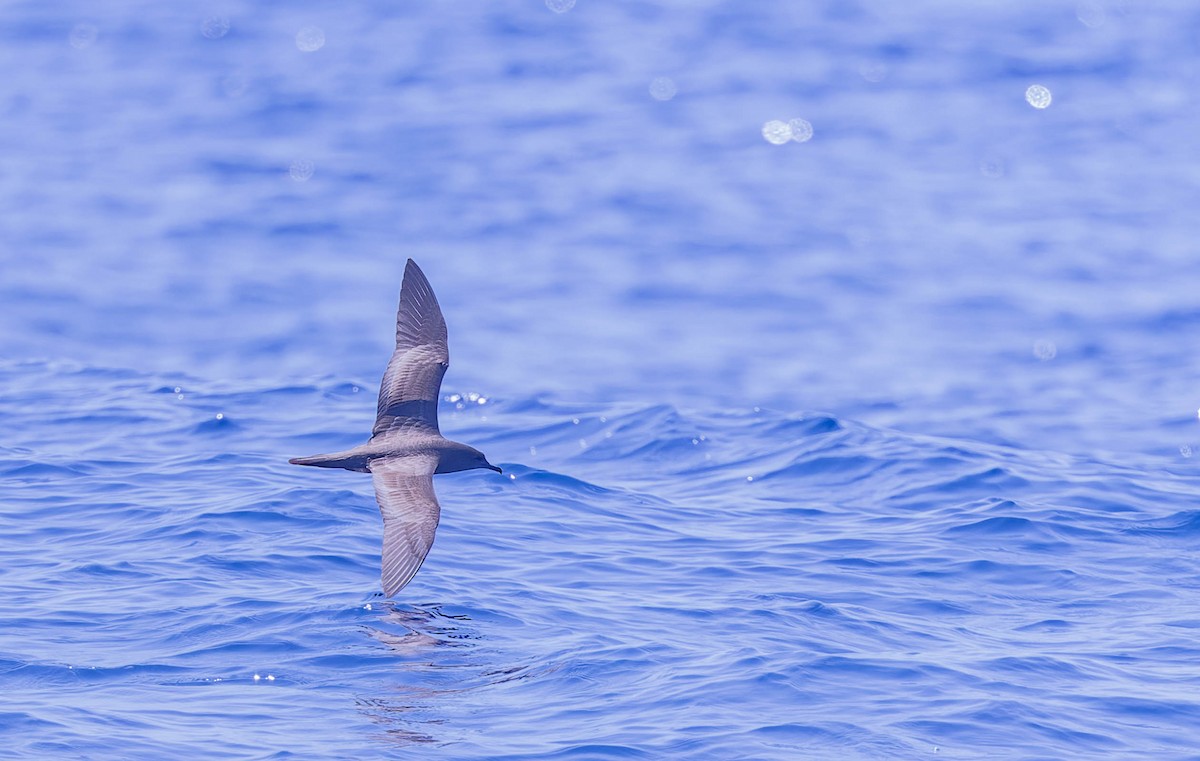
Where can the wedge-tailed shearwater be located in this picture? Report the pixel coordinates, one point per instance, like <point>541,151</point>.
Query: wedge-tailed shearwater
<point>406,447</point>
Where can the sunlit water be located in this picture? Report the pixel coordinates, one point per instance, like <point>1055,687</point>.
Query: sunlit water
<point>874,443</point>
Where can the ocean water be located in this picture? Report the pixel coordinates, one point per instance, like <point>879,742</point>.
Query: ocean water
<point>880,445</point>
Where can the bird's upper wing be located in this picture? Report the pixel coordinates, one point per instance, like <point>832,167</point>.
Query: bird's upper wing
<point>404,490</point>
<point>408,396</point>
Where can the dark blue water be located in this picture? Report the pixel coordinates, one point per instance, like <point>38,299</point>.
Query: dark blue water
<point>876,446</point>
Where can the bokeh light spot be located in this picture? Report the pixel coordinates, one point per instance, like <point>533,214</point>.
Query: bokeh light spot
<point>802,131</point>
<point>1038,96</point>
<point>301,170</point>
<point>1045,350</point>
<point>873,71</point>
<point>1091,14</point>
<point>310,39</point>
<point>83,36</point>
<point>233,85</point>
<point>776,132</point>
<point>992,167</point>
<point>215,27</point>
<point>662,88</point>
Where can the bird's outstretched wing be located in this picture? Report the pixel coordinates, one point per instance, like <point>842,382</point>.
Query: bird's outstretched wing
<point>408,395</point>
<point>404,490</point>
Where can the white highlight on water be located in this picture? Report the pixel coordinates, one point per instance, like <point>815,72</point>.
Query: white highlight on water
<point>215,27</point>
<point>802,131</point>
<point>1185,450</point>
<point>220,416</point>
<point>1038,96</point>
<point>560,6</point>
<point>662,88</point>
<point>776,132</point>
<point>1045,350</point>
<point>301,170</point>
<point>83,35</point>
<point>310,39</point>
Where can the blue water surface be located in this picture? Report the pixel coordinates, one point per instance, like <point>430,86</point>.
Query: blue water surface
<point>875,446</point>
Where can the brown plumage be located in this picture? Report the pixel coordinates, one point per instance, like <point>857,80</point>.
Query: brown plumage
<point>406,447</point>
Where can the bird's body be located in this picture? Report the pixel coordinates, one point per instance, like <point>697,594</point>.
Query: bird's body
<point>406,447</point>
<point>449,456</point>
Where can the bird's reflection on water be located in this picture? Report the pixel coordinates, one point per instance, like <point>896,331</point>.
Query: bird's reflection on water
<point>421,630</point>
<point>438,658</point>
<point>416,636</point>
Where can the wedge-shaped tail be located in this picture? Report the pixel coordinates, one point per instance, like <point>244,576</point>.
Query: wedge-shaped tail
<point>352,459</point>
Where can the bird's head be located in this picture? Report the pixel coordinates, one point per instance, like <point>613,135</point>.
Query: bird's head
<point>463,457</point>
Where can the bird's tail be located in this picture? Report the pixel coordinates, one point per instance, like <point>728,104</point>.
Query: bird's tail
<point>349,460</point>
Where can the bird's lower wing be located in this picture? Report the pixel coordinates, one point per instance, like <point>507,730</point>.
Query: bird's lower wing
<point>404,490</point>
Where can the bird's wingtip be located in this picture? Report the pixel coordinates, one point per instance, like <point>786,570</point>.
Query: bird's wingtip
<point>413,271</point>
<point>395,588</point>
